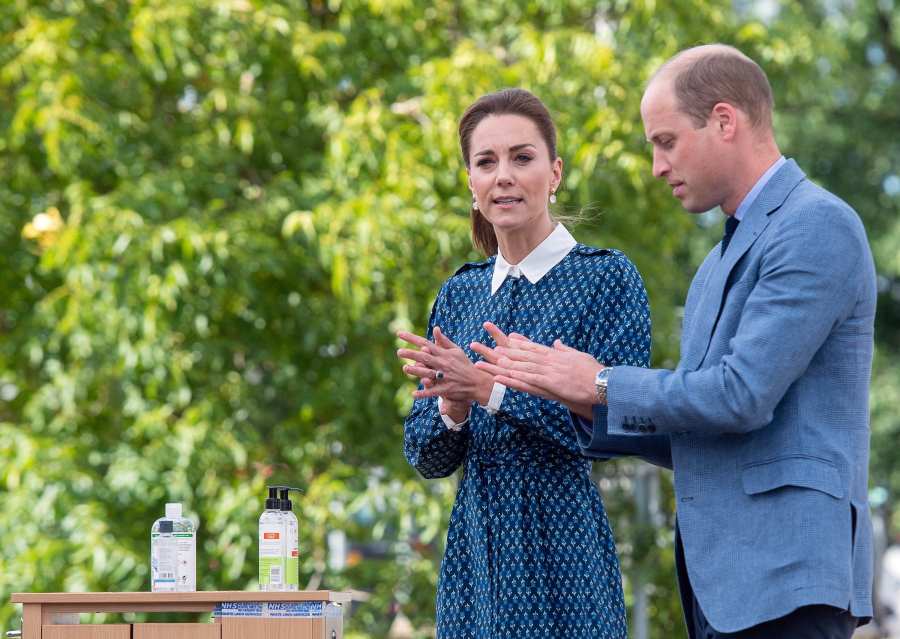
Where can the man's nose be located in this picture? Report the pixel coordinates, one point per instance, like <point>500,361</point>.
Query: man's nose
<point>660,165</point>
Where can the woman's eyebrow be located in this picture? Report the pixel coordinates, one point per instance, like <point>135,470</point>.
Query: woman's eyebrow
<point>516,147</point>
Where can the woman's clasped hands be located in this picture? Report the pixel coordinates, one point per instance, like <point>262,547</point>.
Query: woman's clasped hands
<point>446,371</point>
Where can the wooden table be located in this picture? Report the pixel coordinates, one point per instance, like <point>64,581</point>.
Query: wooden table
<point>56,615</point>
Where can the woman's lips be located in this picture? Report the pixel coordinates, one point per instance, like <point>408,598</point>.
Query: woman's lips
<point>506,203</point>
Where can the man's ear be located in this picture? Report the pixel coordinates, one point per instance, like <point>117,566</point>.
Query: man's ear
<point>725,118</point>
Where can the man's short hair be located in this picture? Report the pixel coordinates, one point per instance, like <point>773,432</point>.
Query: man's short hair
<point>704,76</point>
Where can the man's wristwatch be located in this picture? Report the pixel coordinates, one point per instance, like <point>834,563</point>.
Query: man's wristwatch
<point>601,381</point>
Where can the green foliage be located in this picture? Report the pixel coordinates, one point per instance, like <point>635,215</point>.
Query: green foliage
<point>215,214</point>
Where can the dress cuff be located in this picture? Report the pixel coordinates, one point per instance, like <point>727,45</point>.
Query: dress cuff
<point>448,421</point>
<point>586,425</point>
<point>498,392</point>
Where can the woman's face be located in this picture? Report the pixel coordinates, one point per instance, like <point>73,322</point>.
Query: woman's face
<point>511,173</point>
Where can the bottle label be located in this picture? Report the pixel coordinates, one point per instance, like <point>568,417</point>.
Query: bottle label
<point>186,554</point>
<point>292,555</point>
<point>173,565</point>
<point>163,563</point>
<point>271,559</point>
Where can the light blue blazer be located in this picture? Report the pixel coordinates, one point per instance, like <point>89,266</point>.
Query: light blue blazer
<point>765,420</point>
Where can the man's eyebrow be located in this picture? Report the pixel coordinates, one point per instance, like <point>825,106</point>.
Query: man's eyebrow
<point>517,147</point>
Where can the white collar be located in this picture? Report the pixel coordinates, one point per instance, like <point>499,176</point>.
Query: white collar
<point>538,263</point>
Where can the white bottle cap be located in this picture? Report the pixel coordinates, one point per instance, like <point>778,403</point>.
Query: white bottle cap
<point>173,511</point>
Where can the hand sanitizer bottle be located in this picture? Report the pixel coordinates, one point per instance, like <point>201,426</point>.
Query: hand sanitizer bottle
<point>271,544</point>
<point>173,552</point>
<point>291,542</point>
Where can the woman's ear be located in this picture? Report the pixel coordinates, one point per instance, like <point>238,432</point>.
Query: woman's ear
<point>556,180</point>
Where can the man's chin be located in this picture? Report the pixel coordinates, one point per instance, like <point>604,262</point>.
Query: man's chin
<point>695,207</point>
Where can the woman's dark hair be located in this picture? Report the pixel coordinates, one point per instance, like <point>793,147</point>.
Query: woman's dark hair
<point>504,102</point>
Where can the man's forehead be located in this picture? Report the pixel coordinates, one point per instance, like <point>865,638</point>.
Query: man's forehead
<point>659,108</point>
<point>659,94</point>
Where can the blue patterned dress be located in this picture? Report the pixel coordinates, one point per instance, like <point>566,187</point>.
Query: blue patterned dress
<point>529,548</point>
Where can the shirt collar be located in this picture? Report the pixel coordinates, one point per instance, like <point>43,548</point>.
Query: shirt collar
<point>748,200</point>
<point>538,263</point>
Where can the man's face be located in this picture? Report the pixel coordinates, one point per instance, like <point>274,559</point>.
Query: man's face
<point>691,160</point>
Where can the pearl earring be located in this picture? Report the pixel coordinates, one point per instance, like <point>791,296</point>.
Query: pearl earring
<point>474,203</point>
<point>552,197</point>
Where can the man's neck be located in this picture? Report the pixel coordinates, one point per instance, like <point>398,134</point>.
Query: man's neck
<point>758,161</point>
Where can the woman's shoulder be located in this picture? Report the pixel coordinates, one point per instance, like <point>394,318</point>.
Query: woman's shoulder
<point>473,271</point>
<point>468,275</point>
<point>601,261</point>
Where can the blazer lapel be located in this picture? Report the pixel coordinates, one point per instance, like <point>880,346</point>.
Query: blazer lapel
<point>709,306</point>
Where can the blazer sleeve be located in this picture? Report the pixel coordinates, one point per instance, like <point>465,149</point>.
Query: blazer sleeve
<point>808,282</point>
<point>430,447</point>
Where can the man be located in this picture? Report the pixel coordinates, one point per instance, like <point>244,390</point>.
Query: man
<point>765,418</point>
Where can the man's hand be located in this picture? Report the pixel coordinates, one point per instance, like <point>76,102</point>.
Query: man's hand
<point>559,373</point>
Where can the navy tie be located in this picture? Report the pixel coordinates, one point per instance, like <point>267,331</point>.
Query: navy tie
<point>731,225</point>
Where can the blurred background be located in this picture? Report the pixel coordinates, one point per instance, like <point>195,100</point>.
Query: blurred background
<point>215,213</point>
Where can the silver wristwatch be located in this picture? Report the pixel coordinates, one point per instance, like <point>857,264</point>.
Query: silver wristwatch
<point>601,381</point>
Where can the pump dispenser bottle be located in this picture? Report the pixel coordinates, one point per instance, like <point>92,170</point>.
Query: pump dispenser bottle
<point>271,544</point>
<point>291,542</point>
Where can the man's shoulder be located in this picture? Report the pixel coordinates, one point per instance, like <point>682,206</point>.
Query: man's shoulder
<point>816,203</point>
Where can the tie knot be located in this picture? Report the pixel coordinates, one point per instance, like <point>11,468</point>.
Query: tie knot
<point>731,225</point>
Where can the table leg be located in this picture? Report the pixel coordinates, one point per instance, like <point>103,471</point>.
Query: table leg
<point>31,621</point>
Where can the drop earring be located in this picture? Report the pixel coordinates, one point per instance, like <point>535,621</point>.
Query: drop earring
<point>474,204</point>
<point>552,197</point>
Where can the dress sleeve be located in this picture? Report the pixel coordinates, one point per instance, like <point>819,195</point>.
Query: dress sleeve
<point>616,326</point>
<point>620,320</point>
<point>430,447</point>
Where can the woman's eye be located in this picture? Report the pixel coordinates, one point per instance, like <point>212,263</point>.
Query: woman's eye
<point>523,158</point>
<point>484,162</point>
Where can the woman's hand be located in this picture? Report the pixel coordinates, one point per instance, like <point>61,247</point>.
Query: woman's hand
<point>459,381</point>
<point>457,411</point>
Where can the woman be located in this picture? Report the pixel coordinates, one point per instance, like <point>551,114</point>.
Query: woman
<point>529,549</point>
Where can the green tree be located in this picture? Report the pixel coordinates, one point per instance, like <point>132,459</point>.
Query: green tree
<point>216,213</point>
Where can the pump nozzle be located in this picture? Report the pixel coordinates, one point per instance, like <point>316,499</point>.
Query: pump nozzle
<point>286,503</point>
<point>272,502</point>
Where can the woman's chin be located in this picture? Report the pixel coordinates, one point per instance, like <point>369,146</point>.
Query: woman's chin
<point>510,221</point>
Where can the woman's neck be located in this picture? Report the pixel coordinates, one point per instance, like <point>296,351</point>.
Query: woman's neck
<point>515,245</point>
